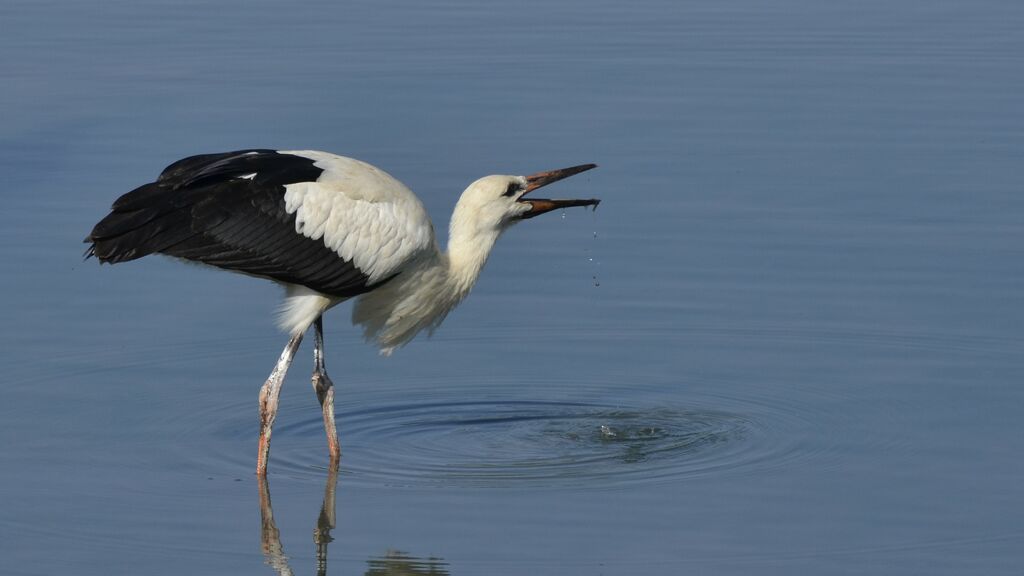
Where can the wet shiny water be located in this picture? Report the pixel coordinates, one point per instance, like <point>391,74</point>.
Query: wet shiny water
<point>789,340</point>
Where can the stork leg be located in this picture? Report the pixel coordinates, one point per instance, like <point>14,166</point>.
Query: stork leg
<point>268,401</point>
<point>324,389</point>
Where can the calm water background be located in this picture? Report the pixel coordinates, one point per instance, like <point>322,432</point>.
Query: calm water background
<point>789,341</point>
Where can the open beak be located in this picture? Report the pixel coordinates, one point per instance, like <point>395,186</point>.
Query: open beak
<point>539,206</point>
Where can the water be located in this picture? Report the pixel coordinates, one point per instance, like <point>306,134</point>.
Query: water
<point>788,341</point>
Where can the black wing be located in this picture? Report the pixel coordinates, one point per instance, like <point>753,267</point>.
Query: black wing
<point>226,210</point>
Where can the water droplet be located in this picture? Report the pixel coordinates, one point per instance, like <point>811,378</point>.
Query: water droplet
<point>594,263</point>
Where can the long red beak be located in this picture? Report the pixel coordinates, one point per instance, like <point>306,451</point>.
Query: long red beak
<point>539,206</point>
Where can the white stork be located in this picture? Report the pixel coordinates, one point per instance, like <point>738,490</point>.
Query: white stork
<point>327,228</point>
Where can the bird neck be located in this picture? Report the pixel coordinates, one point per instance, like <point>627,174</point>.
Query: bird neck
<point>468,249</point>
<point>420,297</point>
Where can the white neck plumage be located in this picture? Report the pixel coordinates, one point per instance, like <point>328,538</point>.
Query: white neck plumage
<point>466,256</point>
<point>424,294</point>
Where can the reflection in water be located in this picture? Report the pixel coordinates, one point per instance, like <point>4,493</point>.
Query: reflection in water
<point>397,563</point>
<point>393,563</point>
<point>270,536</point>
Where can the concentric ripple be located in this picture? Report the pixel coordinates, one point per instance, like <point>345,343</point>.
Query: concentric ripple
<point>526,443</point>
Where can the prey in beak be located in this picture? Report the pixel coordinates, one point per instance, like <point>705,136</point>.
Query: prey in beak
<point>539,206</point>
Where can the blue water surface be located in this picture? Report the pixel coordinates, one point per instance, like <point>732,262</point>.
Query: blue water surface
<point>790,340</point>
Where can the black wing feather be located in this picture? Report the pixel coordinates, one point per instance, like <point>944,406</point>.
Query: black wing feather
<point>190,168</point>
<point>209,209</point>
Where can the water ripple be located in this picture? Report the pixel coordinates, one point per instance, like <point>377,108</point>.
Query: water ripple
<point>442,439</point>
<point>550,443</point>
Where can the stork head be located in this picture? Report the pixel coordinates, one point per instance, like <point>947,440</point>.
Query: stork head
<point>494,203</point>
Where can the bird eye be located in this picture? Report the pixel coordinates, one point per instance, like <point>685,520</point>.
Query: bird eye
<point>513,187</point>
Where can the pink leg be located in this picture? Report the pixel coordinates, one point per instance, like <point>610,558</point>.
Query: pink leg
<point>268,401</point>
<point>324,389</point>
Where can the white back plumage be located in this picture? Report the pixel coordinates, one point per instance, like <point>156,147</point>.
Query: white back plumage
<point>363,214</point>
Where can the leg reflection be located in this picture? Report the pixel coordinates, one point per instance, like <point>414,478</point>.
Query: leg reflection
<point>325,522</point>
<point>270,536</point>
<point>392,563</point>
